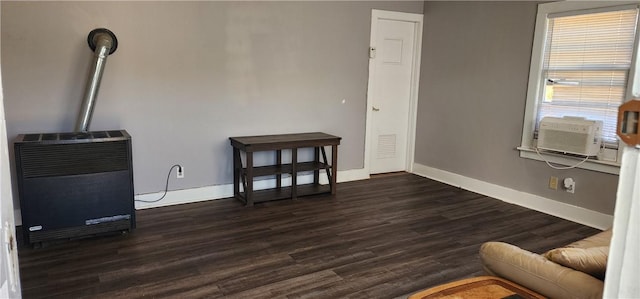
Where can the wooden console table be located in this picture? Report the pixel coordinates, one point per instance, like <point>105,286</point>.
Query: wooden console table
<point>251,144</point>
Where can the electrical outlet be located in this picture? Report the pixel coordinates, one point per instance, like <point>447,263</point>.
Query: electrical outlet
<point>553,183</point>
<point>569,185</point>
<point>180,172</point>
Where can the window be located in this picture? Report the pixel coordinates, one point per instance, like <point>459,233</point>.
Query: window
<point>582,62</point>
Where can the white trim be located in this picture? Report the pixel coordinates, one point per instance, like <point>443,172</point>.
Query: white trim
<point>352,175</point>
<point>412,117</point>
<point>413,106</point>
<point>225,191</point>
<point>564,6</point>
<point>177,197</point>
<point>538,203</point>
<point>596,165</point>
<point>527,200</point>
<point>535,70</point>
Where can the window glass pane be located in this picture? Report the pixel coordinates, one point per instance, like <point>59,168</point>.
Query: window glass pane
<point>598,40</point>
<point>586,66</point>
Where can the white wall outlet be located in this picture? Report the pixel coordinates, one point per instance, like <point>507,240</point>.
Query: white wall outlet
<point>180,172</point>
<point>569,185</point>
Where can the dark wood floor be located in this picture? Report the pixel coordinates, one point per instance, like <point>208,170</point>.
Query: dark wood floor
<point>380,238</point>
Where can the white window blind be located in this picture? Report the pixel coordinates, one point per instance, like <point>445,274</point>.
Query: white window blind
<point>587,58</point>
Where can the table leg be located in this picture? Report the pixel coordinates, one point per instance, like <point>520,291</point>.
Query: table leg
<point>334,168</point>
<point>326,169</point>
<point>249,191</point>
<point>237,166</point>
<point>279,163</point>
<point>316,159</point>
<point>294,173</point>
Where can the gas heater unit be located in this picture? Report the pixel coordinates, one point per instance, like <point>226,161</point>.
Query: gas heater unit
<point>80,183</point>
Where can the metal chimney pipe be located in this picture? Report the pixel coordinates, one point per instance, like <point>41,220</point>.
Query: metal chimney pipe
<point>103,43</point>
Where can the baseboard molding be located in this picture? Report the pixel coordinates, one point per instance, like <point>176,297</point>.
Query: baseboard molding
<point>177,197</point>
<point>527,200</point>
<point>352,175</point>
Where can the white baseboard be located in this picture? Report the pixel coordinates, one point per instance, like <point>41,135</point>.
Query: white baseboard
<point>353,175</point>
<point>224,191</point>
<point>176,197</point>
<point>527,200</point>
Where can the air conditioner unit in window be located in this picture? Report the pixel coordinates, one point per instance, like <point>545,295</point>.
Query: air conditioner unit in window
<point>571,135</point>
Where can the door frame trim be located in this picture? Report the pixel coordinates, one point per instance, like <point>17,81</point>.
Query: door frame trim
<point>417,20</point>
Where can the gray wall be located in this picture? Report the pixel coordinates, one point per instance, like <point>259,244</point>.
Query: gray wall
<point>475,67</point>
<point>188,75</point>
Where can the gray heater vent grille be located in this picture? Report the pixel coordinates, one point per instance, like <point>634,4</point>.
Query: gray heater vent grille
<point>45,160</point>
<point>89,136</point>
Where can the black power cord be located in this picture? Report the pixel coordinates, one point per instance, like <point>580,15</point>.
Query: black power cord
<point>166,186</point>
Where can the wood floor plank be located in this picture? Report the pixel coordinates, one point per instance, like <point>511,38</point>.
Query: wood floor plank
<point>385,237</point>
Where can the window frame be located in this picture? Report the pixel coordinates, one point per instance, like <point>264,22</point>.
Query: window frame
<point>534,87</point>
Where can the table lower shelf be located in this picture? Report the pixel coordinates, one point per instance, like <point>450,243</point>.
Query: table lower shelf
<point>287,168</point>
<point>285,192</point>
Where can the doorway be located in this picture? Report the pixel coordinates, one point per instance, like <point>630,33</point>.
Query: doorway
<point>392,97</point>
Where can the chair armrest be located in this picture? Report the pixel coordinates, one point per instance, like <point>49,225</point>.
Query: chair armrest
<point>535,272</point>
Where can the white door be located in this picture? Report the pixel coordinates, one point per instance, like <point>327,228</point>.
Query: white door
<point>393,67</point>
<point>9,277</point>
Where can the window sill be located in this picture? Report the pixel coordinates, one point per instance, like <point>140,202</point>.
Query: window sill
<point>610,167</point>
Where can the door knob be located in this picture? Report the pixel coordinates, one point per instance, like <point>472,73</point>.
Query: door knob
<point>375,109</point>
